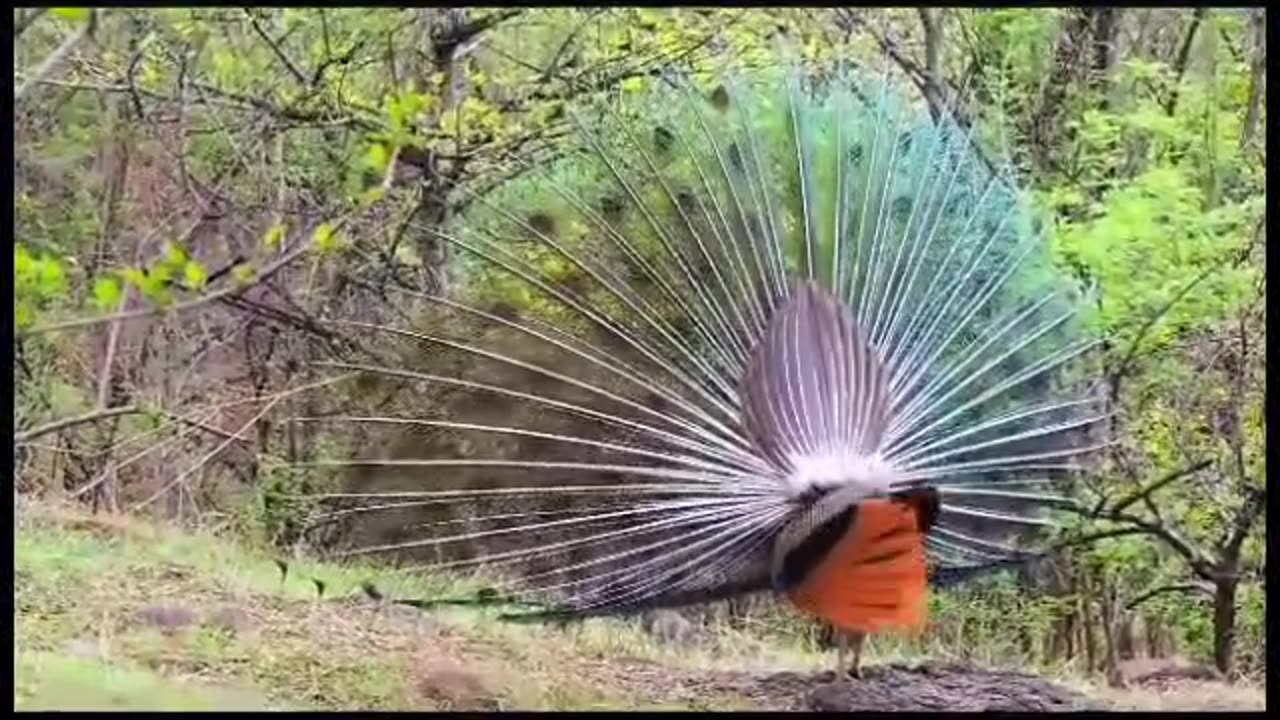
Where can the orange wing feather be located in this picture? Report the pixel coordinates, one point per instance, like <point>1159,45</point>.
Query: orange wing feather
<point>875,577</point>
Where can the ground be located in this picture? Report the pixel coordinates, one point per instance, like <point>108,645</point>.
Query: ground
<point>116,613</point>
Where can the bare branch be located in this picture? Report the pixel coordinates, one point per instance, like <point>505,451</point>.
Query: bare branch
<point>1135,525</point>
<point>330,60</point>
<point>289,113</point>
<point>272,402</point>
<point>93,416</point>
<point>511,58</point>
<point>1150,489</point>
<point>464,32</point>
<point>311,119</point>
<point>909,66</point>
<point>933,89</point>
<point>1190,587</point>
<point>1100,535</point>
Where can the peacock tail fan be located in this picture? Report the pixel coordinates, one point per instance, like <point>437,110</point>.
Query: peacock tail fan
<point>731,310</point>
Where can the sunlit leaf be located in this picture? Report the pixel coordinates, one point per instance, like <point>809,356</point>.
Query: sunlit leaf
<point>194,275</point>
<point>73,14</point>
<point>107,293</point>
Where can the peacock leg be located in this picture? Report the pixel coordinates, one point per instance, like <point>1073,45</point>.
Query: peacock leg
<point>849,640</point>
<point>855,670</point>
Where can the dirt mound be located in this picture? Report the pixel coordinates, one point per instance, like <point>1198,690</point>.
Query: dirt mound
<point>951,687</point>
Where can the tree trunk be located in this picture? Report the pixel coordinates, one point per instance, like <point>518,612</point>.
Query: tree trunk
<point>1087,638</point>
<point>1108,607</point>
<point>1184,56</point>
<point>1044,122</point>
<point>931,20</point>
<point>1125,644</point>
<point>1073,616</point>
<point>1258,75</point>
<point>1025,642</point>
<point>1069,632</point>
<point>1224,623</point>
<point>1106,27</point>
<point>1152,632</point>
<point>439,28</point>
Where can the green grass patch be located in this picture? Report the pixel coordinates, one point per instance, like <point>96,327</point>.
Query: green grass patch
<point>118,613</point>
<point>50,681</point>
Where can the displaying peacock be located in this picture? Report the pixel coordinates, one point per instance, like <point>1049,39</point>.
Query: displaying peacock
<point>783,332</point>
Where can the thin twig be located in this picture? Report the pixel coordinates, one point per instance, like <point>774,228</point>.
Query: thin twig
<point>554,64</point>
<point>115,468</point>
<point>279,53</point>
<point>207,457</point>
<point>267,272</point>
<point>275,400</point>
<point>199,425</point>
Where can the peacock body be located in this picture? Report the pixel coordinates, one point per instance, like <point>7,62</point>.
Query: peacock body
<point>741,337</point>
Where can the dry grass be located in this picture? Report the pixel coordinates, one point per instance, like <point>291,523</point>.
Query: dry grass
<point>1180,696</point>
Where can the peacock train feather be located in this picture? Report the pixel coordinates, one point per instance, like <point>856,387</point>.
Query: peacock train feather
<point>729,314</point>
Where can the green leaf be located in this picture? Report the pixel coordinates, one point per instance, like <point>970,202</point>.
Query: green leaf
<point>73,14</point>
<point>134,276</point>
<point>633,85</point>
<point>52,279</point>
<point>176,256</point>
<point>158,278</point>
<point>106,294</point>
<point>326,238</point>
<point>24,265</point>
<point>194,275</point>
<point>377,157</point>
<point>274,237</point>
<point>23,315</point>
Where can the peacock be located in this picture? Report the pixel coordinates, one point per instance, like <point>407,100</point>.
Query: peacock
<point>785,332</point>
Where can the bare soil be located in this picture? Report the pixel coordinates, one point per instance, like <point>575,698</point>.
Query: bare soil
<point>884,688</point>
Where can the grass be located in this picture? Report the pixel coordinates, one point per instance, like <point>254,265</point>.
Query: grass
<point>72,683</point>
<point>118,613</point>
<point>89,591</point>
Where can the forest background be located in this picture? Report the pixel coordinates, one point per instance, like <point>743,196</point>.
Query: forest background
<point>200,193</point>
